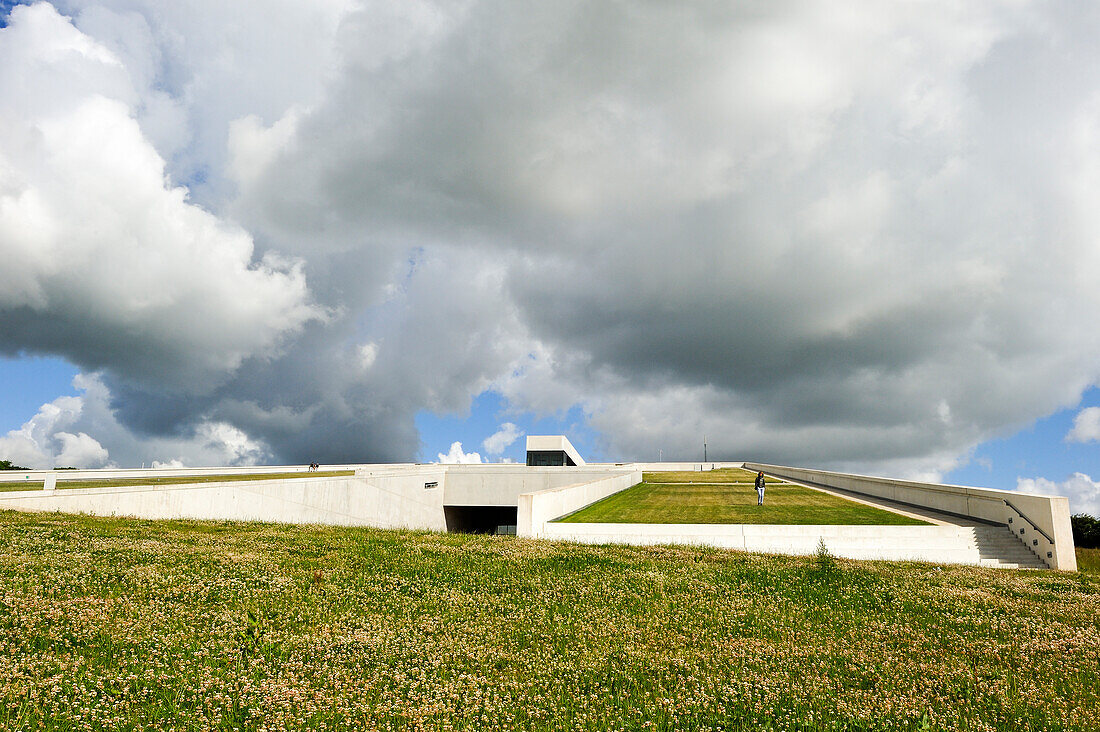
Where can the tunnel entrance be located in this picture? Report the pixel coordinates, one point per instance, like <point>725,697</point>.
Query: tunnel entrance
<point>480,519</point>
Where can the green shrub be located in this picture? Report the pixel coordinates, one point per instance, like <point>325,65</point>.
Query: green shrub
<point>823,559</point>
<point>1086,531</point>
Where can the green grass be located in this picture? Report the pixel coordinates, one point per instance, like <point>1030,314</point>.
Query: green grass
<point>139,625</point>
<point>173,480</point>
<point>728,497</point>
<point>1088,560</point>
<point>724,475</point>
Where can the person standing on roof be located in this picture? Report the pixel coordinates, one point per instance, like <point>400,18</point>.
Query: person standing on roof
<point>760,488</point>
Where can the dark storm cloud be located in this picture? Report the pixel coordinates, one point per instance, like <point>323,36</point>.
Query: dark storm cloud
<point>840,234</point>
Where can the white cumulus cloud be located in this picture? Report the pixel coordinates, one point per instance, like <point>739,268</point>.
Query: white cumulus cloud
<point>457,455</point>
<point>105,260</point>
<point>60,435</point>
<point>45,440</point>
<point>500,440</point>
<point>1083,492</point>
<point>1086,426</point>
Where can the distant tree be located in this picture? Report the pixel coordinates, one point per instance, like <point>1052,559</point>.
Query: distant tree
<point>1086,531</point>
<point>6,465</point>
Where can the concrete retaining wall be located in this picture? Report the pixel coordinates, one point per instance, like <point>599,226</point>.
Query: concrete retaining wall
<point>35,476</point>
<point>947,544</point>
<point>388,501</point>
<point>1049,513</point>
<point>502,485</point>
<point>536,509</point>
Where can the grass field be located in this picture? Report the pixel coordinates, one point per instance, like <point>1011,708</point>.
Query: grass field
<point>173,480</point>
<point>724,475</point>
<point>728,497</point>
<point>125,624</point>
<point>1088,560</point>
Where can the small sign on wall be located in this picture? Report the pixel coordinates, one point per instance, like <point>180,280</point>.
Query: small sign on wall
<point>432,484</point>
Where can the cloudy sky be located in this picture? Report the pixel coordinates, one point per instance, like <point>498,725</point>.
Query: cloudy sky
<point>862,236</point>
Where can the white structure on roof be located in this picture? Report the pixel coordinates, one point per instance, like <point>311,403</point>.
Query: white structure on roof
<point>552,450</point>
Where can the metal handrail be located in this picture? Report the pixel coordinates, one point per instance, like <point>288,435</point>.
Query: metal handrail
<point>1025,518</point>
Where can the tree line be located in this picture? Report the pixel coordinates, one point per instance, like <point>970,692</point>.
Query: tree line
<point>1086,531</point>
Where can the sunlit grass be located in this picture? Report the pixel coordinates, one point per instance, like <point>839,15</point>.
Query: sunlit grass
<point>127,624</point>
<point>723,475</point>
<point>170,480</point>
<point>1088,560</point>
<point>714,498</point>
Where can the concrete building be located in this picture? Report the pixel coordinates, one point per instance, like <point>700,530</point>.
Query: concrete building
<point>966,525</point>
<point>547,450</point>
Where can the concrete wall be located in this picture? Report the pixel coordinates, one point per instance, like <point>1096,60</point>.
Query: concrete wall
<point>947,544</point>
<point>677,466</point>
<point>1050,513</point>
<point>400,496</point>
<point>536,509</point>
<point>404,499</point>
<point>33,476</point>
<point>397,500</point>
<point>501,485</point>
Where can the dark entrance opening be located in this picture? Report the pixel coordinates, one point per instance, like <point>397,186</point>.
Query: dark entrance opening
<point>480,519</point>
<point>546,458</point>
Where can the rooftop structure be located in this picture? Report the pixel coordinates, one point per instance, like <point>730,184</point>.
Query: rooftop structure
<point>545,450</point>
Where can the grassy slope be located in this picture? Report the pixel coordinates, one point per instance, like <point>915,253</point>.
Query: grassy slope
<point>123,624</point>
<point>173,480</point>
<point>728,497</point>
<point>1088,560</point>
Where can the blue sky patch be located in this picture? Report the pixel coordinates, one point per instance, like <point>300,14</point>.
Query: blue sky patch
<point>1038,451</point>
<point>29,382</point>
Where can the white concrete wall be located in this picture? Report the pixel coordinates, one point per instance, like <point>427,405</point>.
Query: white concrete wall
<point>947,544</point>
<point>681,466</point>
<point>33,476</point>
<point>536,509</point>
<point>399,499</point>
<point>378,495</point>
<point>391,501</point>
<point>501,485</point>
<point>1050,513</point>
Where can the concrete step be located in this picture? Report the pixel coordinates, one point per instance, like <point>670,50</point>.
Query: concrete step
<point>999,547</point>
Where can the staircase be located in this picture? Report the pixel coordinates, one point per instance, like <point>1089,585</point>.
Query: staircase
<point>998,547</point>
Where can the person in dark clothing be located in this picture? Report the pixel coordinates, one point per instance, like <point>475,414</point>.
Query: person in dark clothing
<point>760,489</point>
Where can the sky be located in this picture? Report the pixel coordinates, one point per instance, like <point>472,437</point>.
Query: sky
<point>855,236</point>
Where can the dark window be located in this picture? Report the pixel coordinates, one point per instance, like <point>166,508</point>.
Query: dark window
<point>548,457</point>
